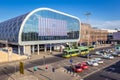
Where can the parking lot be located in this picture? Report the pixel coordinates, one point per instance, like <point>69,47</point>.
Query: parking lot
<point>92,69</point>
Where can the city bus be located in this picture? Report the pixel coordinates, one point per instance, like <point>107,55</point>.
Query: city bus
<point>84,50</point>
<point>91,48</point>
<point>70,53</point>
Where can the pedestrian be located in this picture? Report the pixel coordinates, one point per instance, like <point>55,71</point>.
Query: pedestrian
<point>53,69</point>
<point>46,67</point>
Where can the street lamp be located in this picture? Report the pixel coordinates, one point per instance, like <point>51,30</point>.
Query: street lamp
<point>87,14</point>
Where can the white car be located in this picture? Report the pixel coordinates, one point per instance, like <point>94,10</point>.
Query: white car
<point>98,60</point>
<point>108,56</point>
<point>99,52</point>
<point>116,53</point>
<point>92,63</point>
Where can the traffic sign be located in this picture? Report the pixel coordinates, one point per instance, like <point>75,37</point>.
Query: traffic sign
<point>21,68</point>
<point>71,61</point>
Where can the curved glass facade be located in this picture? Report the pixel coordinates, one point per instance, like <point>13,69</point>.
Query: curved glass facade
<point>49,25</point>
<point>41,25</point>
<point>9,29</point>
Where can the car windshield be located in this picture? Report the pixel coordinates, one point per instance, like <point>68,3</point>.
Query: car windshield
<point>108,55</point>
<point>94,62</point>
<point>77,67</point>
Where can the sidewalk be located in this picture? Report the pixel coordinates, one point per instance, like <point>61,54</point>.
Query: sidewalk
<point>42,74</point>
<point>9,57</point>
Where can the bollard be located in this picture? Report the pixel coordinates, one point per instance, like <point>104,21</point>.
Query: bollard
<point>65,70</point>
<point>35,68</point>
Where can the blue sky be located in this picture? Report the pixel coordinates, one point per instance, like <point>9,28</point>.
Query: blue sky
<point>104,13</point>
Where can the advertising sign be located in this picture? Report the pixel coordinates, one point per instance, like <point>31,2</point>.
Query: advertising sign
<point>52,27</point>
<point>116,36</point>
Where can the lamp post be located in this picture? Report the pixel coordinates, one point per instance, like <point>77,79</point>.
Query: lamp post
<point>87,14</point>
<point>7,50</point>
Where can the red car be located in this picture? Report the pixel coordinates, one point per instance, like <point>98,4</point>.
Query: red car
<point>77,68</point>
<point>83,65</point>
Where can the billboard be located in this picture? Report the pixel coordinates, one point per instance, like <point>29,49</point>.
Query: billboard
<point>116,36</point>
<point>52,27</point>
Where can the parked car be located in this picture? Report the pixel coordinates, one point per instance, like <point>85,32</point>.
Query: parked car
<point>92,63</point>
<point>98,60</point>
<point>108,56</point>
<point>116,53</point>
<point>77,68</point>
<point>99,52</point>
<point>83,65</point>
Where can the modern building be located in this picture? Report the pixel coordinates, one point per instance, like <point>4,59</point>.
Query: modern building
<point>116,37</point>
<point>40,29</point>
<point>110,35</point>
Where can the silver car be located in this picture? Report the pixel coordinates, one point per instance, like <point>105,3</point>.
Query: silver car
<point>116,53</point>
<point>108,56</point>
<point>99,52</point>
<point>92,63</point>
<point>98,60</point>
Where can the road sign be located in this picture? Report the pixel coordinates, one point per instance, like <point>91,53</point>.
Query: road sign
<point>71,60</point>
<point>21,68</point>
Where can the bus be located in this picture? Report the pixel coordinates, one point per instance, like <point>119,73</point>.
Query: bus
<point>70,53</point>
<point>91,48</point>
<point>84,50</point>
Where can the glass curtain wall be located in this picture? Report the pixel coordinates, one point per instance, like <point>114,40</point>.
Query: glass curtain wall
<point>48,25</point>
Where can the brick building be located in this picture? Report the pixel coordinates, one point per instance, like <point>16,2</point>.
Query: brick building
<point>90,36</point>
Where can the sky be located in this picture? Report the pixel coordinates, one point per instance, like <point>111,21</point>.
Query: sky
<point>105,14</point>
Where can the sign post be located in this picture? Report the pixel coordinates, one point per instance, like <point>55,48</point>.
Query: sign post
<point>21,68</point>
<point>44,60</point>
<point>71,61</point>
<point>53,70</point>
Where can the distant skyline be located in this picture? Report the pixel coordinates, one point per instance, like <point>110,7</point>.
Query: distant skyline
<point>104,13</point>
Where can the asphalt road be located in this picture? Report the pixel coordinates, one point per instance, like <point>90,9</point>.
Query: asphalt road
<point>109,73</point>
<point>57,60</point>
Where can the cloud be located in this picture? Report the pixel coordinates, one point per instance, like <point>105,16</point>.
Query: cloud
<point>106,24</point>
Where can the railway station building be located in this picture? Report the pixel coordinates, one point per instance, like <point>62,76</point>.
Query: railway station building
<point>40,29</point>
